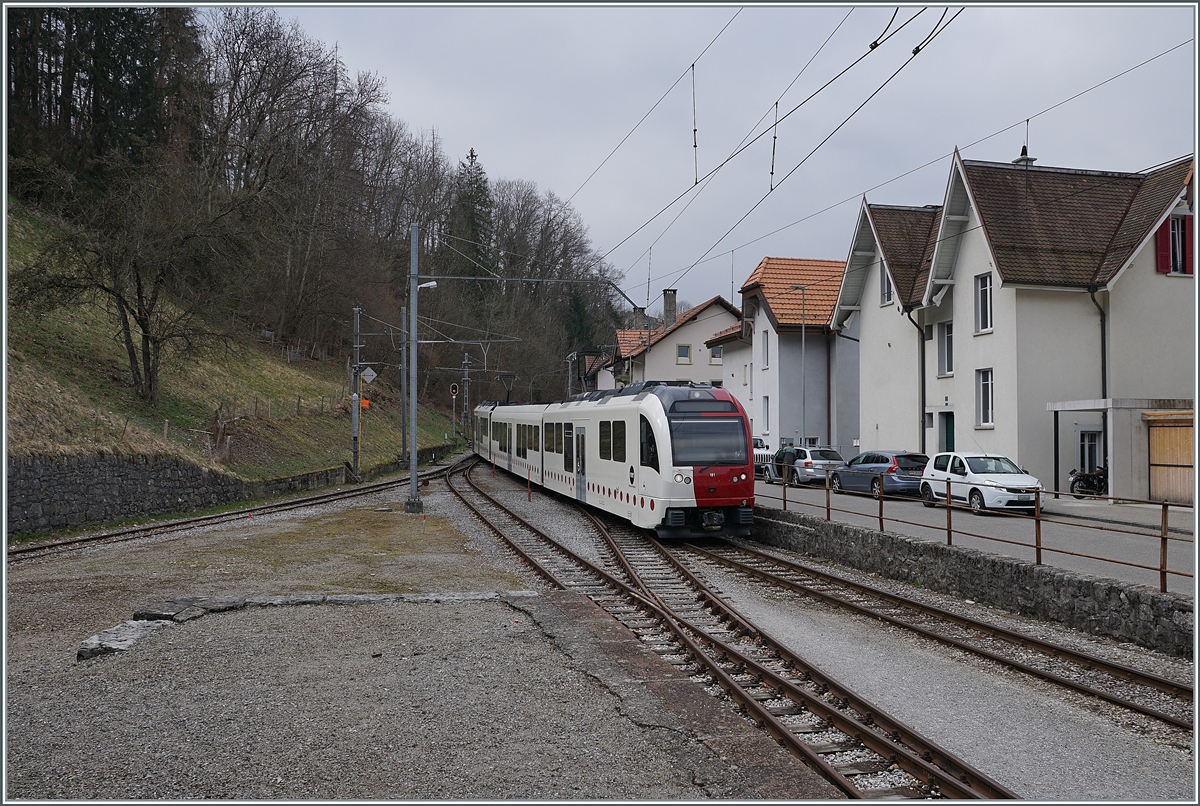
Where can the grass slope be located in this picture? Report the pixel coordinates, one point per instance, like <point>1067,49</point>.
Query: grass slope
<point>68,393</point>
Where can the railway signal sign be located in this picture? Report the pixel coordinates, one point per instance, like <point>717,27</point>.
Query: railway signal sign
<point>367,375</point>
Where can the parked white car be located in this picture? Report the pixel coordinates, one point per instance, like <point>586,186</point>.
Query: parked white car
<point>981,480</point>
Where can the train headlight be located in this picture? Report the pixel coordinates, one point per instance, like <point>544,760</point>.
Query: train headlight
<point>679,478</point>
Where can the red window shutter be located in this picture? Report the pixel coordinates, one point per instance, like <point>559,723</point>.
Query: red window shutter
<point>1163,244</point>
<point>1187,249</point>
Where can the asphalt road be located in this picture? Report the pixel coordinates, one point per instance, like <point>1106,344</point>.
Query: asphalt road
<point>1128,533</point>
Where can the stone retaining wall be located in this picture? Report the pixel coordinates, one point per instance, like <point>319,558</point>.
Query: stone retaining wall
<point>1120,610</point>
<point>49,493</point>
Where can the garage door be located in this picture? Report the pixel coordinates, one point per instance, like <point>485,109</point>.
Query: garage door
<point>1172,459</point>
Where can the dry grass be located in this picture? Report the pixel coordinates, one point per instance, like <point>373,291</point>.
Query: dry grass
<point>69,393</point>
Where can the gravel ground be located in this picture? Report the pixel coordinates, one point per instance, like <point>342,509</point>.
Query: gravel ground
<point>528,694</point>
<point>1035,738</point>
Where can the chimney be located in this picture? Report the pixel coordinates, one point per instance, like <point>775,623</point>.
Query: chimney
<point>639,318</point>
<point>668,307</point>
<point>1024,159</point>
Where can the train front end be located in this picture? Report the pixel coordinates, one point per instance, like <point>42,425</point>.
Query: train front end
<point>710,477</point>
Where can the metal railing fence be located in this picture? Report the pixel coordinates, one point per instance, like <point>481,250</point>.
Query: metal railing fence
<point>1036,519</point>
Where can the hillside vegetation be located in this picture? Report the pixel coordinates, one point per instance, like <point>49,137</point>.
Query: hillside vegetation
<point>69,393</point>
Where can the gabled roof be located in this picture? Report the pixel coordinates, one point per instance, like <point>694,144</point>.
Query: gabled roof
<point>1065,227</point>
<point>632,343</point>
<point>774,277</point>
<point>906,236</point>
<point>725,336</point>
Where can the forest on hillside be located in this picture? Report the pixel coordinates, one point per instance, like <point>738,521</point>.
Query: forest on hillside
<point>215,171</point>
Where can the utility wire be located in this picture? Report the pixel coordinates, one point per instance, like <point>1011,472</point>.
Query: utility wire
<point>656,103</point>
<point>709,177</point>
<point>935,160</point>
<point>907,61</point>
<point>759,136</point>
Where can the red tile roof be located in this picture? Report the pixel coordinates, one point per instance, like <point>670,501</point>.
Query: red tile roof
<point>774,277</point>
<point>727,335</point>
<point>633,342</point>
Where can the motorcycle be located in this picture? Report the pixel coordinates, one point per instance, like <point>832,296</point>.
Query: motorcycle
<point>1093,483</point>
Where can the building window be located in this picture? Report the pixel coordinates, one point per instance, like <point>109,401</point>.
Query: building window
<point>766,414</point>
<point>945,331</point>
<point>885,286</point>
<point>984,398</point>
<point>714,355</point>
<point>983,303</point>
<point>766,351</point>
<point>1089,450</point>
<point>1174,246</point>
<point>683,353</point>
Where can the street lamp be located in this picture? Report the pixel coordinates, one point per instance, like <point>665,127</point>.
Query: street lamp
<point>413,504</point>
<point>803,372</point>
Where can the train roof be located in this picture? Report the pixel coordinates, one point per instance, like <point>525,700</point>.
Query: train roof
<point>669,392</point>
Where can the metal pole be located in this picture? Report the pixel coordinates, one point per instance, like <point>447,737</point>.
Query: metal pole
<point>804,375</point>
<point>1162,560</point>
<point>354,399</point>
<point>827,494</point>
<point>1037,526</point>
<point>1056,453</point>
<point>403,389</point>
<point>881,502</point>
<point>949,525</point>
<point>413,504</point>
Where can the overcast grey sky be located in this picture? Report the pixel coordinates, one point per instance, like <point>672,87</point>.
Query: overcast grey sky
<point>545,93</point>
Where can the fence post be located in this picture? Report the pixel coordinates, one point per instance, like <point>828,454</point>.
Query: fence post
<point>784,492</point>
<point>1162,560</point>
<point>881,502</point>
<point>1037,526</point>
<point>827,494</point>
<point>949,524</point>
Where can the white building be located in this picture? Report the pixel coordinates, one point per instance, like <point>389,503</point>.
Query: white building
<point>676,352</point>
<point>1040,292</point>
<point>796,376</point>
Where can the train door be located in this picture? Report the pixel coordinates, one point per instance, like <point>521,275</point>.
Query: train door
<point>581,463</point>
<point>568,448</point>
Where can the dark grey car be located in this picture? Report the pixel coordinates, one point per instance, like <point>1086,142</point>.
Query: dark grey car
<point>897,471</point>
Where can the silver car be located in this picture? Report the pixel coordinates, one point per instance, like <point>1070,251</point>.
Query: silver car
<point>804,465</point>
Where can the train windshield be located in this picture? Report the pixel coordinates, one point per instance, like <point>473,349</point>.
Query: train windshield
<point>708,441</point>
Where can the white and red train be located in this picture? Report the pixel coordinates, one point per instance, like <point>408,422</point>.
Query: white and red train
<point>665,455</point>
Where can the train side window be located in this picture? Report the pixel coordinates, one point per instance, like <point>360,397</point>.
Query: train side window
<point>558,438</point>
<point>568,447</point>
<point>536,440</point>
<point>618,440</point>
<point>649,446</point>
<point>605,439</point>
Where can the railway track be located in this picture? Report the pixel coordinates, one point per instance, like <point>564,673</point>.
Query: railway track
<point>32,551</point>
<point>853,743</point>
<point>1162,698</point>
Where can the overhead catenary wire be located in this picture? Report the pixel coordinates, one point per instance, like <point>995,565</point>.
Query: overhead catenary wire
<point>652,108</point>
<point>709,177</point>
<point>818,146</point>
<point>746,144</point>
<point>923,166</point>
